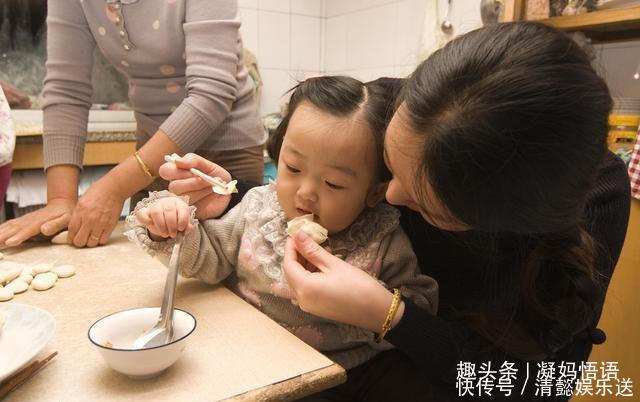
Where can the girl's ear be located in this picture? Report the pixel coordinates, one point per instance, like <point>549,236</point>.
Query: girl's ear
<point>376,194</point>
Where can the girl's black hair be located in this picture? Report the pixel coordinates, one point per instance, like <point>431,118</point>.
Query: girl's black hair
<point>27,14</point>
<point>344,96</point>
<point>514,124</point>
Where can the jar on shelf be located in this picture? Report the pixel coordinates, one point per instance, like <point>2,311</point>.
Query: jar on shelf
<point>623,128</point>
<point>623,122</point>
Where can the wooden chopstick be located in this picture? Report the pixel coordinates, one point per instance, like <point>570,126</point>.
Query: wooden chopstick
<point>172,158</point>
<point>214,181</point>
<point>23,375</point>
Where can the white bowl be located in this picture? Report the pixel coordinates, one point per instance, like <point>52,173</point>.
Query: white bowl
<point>25,333</point>
<point>114,335</point>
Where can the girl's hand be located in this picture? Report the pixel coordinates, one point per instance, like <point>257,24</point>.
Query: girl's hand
<point>182,182</point>
<point>166,217</point>
<point>333,289</point>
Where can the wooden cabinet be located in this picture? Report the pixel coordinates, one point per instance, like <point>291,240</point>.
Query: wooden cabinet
<point>602,25</point>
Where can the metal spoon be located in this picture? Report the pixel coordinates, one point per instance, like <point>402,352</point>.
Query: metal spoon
<point>446,25</point>
<point>162,332</point>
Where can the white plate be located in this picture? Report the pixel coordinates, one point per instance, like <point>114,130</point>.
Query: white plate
<point>25,333</point>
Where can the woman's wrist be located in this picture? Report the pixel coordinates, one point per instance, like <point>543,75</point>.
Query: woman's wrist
<point>379,309</point>
<point>125,179</point>
<point>62,183</point>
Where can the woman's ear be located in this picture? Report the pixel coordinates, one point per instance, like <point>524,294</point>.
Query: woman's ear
<point>376,194</point>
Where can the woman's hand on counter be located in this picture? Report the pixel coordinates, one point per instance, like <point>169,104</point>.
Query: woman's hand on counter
<point>182,182</point>
<point>96,215</point>
<point>51,219</point>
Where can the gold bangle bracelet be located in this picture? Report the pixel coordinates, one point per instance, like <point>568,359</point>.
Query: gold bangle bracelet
<point>392,312</point>
<point>143,166</point>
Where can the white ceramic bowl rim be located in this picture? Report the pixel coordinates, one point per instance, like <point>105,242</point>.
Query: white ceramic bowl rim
<point>195,324</point>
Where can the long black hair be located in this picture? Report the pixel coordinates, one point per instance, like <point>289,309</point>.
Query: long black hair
<point>343,97</point>
<point>514,123</point>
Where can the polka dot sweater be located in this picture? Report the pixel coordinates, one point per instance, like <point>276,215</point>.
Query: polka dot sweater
<point>183,59</point>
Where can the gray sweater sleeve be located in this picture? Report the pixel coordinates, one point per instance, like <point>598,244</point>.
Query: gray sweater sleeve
<point>66,96</point>
<point>400,270</point>
<point>211,31</point>
<point>209,253</point>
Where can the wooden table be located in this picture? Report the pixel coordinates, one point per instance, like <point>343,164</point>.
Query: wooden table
<point>236,352</point>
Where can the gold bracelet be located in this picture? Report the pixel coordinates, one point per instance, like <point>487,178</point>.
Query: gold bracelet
<point>392,312</point>
<point>143,166</point>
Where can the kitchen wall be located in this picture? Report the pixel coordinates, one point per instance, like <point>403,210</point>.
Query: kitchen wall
<point>366,39</point>
<point>295,39</point>
<point>286,36</point>
<point>369,39</point>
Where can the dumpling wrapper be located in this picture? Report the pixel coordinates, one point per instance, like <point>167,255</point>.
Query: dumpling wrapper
<point>305,223</point>
<point>219,186</point>
<point>60,238</point>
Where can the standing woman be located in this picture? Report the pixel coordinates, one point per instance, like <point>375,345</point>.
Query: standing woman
<point>187,85</point>
<point>512,203</point>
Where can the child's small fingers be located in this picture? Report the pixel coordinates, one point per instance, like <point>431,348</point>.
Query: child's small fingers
<point>189,228</point>
<point>143,216</point>
<point>171,220</point>
<point>157,216</point>
<point>154,230</point>
<point>183,218</point>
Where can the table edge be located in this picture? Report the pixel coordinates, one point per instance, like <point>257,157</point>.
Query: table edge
<point>296,387</point>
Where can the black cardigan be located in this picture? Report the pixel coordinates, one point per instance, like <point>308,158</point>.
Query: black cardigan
<point>438,343</point>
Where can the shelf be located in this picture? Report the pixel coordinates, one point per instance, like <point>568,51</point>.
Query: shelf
<point>614,24</point>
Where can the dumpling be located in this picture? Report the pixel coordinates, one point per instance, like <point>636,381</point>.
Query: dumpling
<point>305,223</point>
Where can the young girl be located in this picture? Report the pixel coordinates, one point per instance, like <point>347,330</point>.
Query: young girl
<point>329,154</point>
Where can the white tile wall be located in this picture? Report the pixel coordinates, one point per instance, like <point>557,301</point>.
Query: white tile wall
<point>248,3</point>
<point>336,44</point>
<point>249,29</point>
<point>287,38</point>
<point>274,39</point>
<point>282,6</point>
<point>410,20</point>
<point>277,82</point>
<point>305,43</point>
<point>311,8</point>
<point>337,7</point>
<point>368,37</point>
<point>295,39</point>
